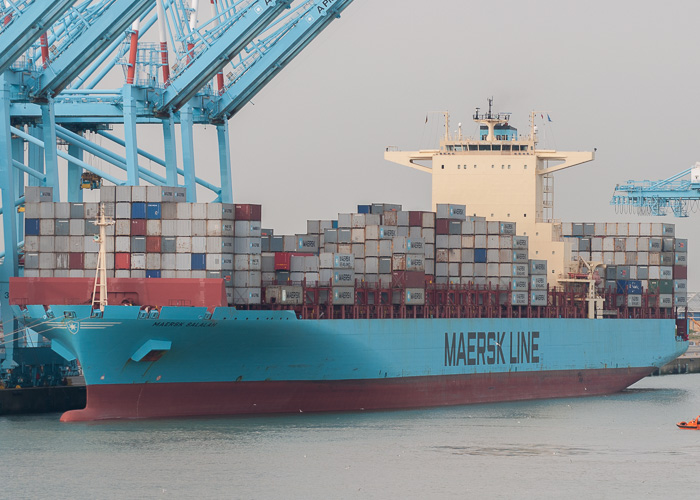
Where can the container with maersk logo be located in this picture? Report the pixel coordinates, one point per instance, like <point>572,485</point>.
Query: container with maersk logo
<point>538,266</point>
<point>343,295</point>
<point>284,294</point>
<point>519,298</point>
<point>307,243</point>
<point>415,263</point>
<point>410,296</point>
<point>507,228</point>
<point>538,282</point>
<point>520,285</point>
<point>538,298</point>
<point>451,211</point>
<point>343,277</point>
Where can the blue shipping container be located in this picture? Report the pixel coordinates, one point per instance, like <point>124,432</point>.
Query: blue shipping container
<point>31,227</point>
<point>364,209</point>
<point>153,274</point>
<point>632,287</point>
<point>334,224</point>
<point>138,210</point>
<point>480,255</point>
<point>199,262</point>
<point>153,211</point>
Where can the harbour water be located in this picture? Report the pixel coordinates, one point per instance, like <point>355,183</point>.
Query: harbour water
<point>620,446</point>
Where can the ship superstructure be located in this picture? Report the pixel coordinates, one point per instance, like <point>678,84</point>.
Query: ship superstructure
<point>501,175</point>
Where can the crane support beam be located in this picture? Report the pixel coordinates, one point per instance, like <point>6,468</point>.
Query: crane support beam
<point>28,27</point>
<point>305,28</point>
<point>60,72</point>
<point>209,61</point>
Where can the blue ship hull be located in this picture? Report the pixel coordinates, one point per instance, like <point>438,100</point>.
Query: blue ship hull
<point>189,362</point>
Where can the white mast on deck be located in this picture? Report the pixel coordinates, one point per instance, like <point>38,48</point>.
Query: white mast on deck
<point>99,291</point>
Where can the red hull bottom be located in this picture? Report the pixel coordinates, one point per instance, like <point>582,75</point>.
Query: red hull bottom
<point>133,401</point>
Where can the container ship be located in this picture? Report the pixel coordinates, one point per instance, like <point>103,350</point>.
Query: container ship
<point>177,309</point>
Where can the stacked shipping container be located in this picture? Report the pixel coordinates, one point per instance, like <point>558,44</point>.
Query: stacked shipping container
<point>157,234</point>
<point>637,257</point>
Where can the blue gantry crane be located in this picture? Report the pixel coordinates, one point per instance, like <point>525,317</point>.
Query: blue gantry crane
<point>679,193</point>
<point>59,62</point>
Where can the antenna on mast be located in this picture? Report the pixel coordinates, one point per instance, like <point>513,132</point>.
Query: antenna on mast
<point>99,290</point>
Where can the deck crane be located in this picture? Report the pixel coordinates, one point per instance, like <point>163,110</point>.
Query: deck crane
<point>677,193</point>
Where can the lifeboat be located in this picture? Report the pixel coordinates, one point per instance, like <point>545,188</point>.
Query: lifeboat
<point>693,424</point>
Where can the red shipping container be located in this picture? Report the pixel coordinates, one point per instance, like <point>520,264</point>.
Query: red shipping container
<point>442,226</point>
<point>122,260</point>
<point>415,218</point>
<point>153,244</point>
<point>147,291</point>
<point>408,279</point>
<point>282,261</point>
<point>680,273</point>
<point>138,227</point>
<point>248,212</point>
<point>76,260</point>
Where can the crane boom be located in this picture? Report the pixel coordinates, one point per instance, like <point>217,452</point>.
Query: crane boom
<point>676,193</point>
<point>216,47</point>
<point>268,59</point>
<point>25,26</point>
<point>83,49</point>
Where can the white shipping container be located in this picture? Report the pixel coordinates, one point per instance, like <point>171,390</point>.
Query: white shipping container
<point>357,235</point>
<point>154,261</point>
<point>199,227</point>
<point>77,227</point>
<point>123,210</point>
<point>505,270</point>
<point>138,261</point>
<point>91,245</point>
<point>183,245</point>
<point>61,243</point>
<point>153,227</point>
<point>167,261</point>
<point>428,234</point>
<point>199,244</point>
<point>77,244</point>
<point>213,262</point>
<point>184,211</point>
<point>47,260</point>
<point>654,272</point>
<point>122,227</point>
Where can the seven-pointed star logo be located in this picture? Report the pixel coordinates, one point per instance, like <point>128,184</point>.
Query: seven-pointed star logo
<point>73,327</point>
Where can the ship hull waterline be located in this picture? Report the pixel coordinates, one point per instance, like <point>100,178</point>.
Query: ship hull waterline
<point>139,401</point>
<point>191,361</point>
